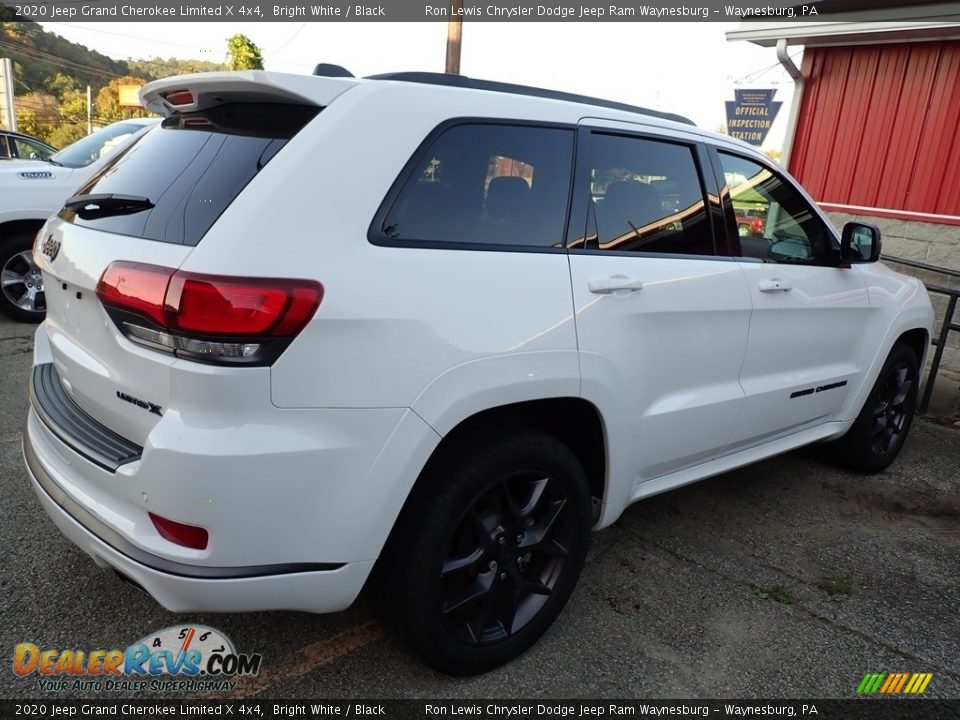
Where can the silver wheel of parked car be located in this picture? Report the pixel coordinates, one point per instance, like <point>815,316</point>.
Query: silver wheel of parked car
<point>22,282</point>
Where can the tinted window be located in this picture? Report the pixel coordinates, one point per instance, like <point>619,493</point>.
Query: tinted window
<point>487,184</point>
<point>31,150</point>
<point>96,145</point>
<point>4,151</point>
<point>774,221</point>
<point>646,196</point>
<point>191,168</point>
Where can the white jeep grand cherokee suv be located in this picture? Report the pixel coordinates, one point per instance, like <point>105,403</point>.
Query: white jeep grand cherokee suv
<point>432,331</point>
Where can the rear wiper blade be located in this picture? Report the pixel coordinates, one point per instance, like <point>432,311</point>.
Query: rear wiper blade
<point>94,206</point>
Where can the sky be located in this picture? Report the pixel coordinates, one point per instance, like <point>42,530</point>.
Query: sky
<point>688,68</point>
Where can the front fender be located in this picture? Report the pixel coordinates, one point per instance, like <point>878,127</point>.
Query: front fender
<point>898,304</point>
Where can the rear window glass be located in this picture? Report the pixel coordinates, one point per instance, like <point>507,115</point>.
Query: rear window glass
<point>190,169</point>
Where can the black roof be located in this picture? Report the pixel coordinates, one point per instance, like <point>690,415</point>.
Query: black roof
<point>461,81</point>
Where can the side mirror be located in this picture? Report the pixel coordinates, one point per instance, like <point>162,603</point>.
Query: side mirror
<point>860,243</point>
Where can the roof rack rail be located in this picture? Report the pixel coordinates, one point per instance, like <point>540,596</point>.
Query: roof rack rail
<point>331,70</point>
<point>430,78</point>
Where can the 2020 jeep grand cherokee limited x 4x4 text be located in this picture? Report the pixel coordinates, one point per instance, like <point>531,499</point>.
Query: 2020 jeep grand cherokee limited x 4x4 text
<point>294,342</point>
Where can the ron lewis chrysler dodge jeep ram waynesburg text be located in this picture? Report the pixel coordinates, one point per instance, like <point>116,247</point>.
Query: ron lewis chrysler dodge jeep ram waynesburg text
<point>295,343</point>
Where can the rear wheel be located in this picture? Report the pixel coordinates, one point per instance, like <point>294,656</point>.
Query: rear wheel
<point>487,550</point>
<point>877,435</point>
<point>21,284</point>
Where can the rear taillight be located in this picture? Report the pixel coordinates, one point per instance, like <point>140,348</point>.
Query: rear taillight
<point>189,536</point>
<point>210,318</point>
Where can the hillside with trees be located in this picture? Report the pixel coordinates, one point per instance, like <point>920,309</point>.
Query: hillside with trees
<point>51,76</point>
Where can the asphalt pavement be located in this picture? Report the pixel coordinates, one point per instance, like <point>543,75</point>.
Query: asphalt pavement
<point>789,578</point>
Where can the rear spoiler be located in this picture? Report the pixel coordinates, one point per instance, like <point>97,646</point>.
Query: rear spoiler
<point>189,93</point>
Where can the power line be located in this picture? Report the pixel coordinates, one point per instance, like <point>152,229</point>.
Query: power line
<point>43,56</point>
<point>296,32</point>
<point>749,77</point>
<point>125,35</point>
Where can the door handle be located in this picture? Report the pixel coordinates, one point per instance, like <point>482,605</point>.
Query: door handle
<point>614,285</point>
<point>775,285</point>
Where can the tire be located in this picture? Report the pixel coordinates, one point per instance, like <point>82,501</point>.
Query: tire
<point>877,435</point>
<point>487,550</point>
<point>21,284</point>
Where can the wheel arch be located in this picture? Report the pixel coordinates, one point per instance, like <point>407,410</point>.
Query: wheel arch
<point>918,340</point>
<point>572,420</point>
<point>576,422</point>
<point>10,228</point>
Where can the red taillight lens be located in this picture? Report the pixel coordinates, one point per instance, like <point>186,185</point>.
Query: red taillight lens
<point>199,316</point>
<point>136,287</point>
<point>189,536</point>
<point>223,306</point>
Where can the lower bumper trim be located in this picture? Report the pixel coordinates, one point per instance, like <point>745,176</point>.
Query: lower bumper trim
<point>154,562</point>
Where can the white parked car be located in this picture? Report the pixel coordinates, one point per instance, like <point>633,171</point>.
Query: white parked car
<point>430,332</point>
<point>33,190</point>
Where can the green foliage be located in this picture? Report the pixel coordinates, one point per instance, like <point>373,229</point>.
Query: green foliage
<point>52,75</point>
<point>42,55</point>
<point>160,68</point>
<point>38,114</point>
<point>67,133</point>
<point>60,84</point>
<point>778,593</point>
<point>242,54</point>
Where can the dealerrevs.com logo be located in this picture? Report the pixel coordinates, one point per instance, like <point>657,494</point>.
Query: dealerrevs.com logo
<point>176,659</point>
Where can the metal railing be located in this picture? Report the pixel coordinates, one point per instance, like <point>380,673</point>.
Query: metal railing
<point>940,341</point>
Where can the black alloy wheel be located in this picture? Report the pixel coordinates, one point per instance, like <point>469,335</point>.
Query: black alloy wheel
<point>487,548</point>
<point>505,557</point>
<point>892,409</point>
<point>877,435</point>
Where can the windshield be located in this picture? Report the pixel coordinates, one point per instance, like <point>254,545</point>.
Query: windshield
<point>95,146</point>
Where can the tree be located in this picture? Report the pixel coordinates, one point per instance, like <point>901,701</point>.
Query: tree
<point>60,84</point>
<point>243,54</point>
<point>773,154</point>
<point>38,114</point>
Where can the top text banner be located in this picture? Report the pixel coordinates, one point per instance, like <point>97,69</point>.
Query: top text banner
<point>443,10</point>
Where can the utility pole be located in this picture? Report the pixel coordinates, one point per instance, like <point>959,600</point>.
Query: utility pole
<point>454,37</point>
<point>89,110</point>
<point>8,114</point>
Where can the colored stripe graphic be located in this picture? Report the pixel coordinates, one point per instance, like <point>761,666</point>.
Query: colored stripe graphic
<point>869,683</point>
<point>903,679</point>
<point>894,683</point>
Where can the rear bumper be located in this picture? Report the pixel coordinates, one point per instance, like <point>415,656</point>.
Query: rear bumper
<point>183,587</point>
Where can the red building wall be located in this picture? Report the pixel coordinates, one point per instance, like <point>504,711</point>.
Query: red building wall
<point>879,130</point>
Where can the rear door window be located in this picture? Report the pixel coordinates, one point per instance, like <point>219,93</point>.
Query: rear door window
<point>189,169</point>
<point>646,196</point>
<point>485,185</point>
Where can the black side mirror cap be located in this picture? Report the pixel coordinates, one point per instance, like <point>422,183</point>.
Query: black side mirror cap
<point>860,243</point>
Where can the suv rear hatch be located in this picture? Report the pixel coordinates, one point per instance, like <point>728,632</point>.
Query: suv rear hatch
<point>126,232</point>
